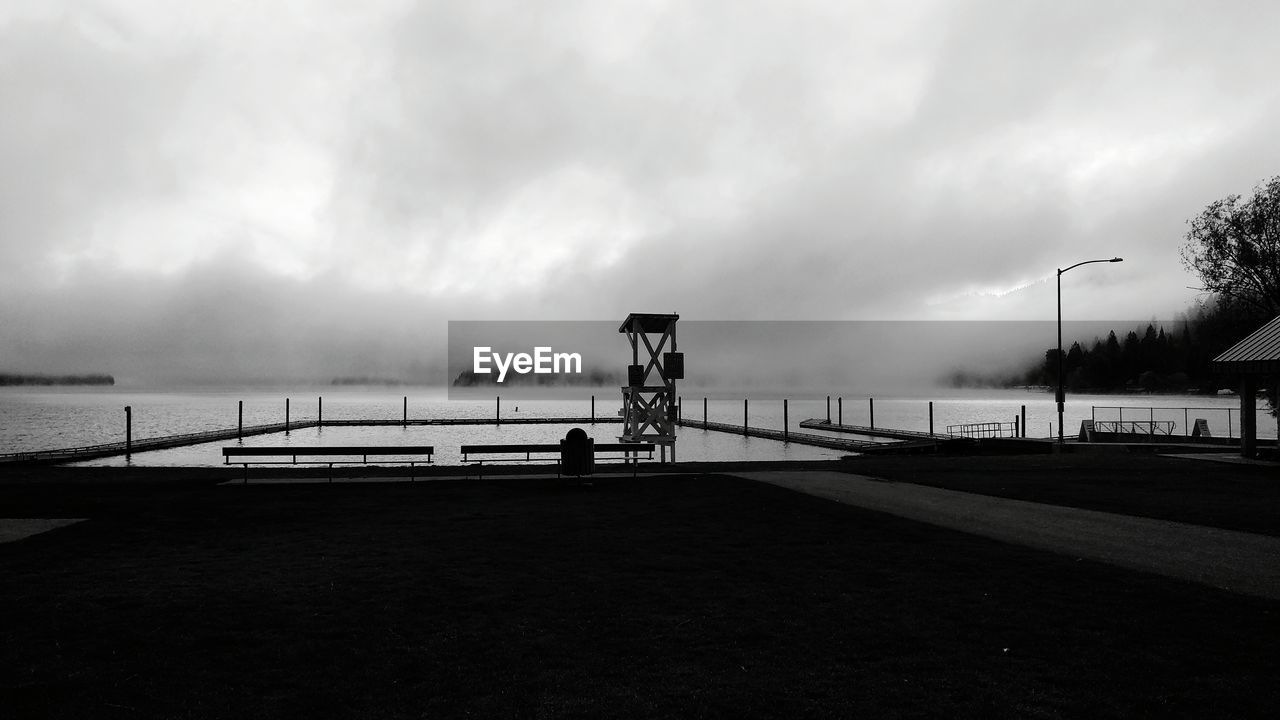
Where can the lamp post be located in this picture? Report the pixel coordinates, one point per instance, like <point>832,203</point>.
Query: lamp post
<point>1062,394</point>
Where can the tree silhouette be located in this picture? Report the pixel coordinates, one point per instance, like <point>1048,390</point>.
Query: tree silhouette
<point>1234,246</point>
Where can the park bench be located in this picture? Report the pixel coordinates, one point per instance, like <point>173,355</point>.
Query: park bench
<point>411,455</point>
<point>478,455</point>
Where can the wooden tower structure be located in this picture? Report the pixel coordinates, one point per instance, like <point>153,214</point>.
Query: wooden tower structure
<point>649,397</point>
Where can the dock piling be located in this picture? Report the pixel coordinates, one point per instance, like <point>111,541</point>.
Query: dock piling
<point>744,416</point>
<point>593,409</point>
<point>840,411</point>
<point>786,430</point>
<point>871,405</point>
<point>319,411</point>
<point>128,432</point>
<point>497,409</point>
<point>930,417</point>
<point>704,413</point>
<point>286,416</point>
<point>1024,422</point>
<point>240,422</point>
<point>828,409</point>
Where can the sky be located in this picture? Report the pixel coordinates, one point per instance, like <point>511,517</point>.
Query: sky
<point>273,190</point>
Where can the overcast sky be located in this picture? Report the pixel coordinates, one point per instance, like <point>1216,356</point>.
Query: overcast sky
<point>269,189</point>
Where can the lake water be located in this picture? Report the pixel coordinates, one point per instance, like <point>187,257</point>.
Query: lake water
<point>43,419</point>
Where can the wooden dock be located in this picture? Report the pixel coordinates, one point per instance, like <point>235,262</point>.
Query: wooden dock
<point>817,424</point>
<point>472,421</point>
<point>907,440</point>
<point>801,438</point>
<point>93,452</point>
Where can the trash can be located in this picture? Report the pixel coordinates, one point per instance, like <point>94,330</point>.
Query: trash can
<point>577,453</point>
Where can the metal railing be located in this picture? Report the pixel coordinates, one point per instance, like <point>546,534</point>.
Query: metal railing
<point>1152,415</point>
<point>1134,427</point>
<point>984,430</point>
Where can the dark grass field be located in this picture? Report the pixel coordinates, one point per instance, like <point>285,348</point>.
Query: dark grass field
<point>1200,492</point>
<point>687,596</point>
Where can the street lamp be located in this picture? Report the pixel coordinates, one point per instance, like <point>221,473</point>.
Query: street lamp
<point>1062,394</point>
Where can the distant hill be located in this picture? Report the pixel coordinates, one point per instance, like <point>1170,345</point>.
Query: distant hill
<point>389,382</point>
<point>29,379</point>
<point>594,378</point>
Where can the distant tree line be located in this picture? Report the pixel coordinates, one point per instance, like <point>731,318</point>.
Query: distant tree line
<point>1155,358</point>
<point>7,379</point>
<point>1233,246</point>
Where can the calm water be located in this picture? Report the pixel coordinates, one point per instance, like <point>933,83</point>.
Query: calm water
<point>44,419</point>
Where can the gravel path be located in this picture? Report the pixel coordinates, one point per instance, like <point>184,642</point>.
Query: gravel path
<point>1237,561</point>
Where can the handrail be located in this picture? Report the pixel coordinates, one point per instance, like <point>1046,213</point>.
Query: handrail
<point>1188,422</point>
<point>983,430</point>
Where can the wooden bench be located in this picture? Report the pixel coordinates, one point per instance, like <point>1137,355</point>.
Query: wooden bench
<point>379,452</point>
<point>630,453</point>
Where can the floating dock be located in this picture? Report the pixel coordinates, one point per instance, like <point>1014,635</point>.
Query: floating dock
<point>472,421</point>
<point>907,440</point>
<point>93,452</point>
<point>813,439</point>
<point>817,424</point>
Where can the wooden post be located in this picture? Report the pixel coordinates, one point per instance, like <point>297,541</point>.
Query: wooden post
<point>840,411</point>
<point>404,417</point>
<point>286,415</point>
<point>786,430</point>
<point>679,408</point>
<point>128,432</point>
<point>497,409</point>
<point>828,409</point>
<point>593,409</point>
<point>1248,416</point>
<point>319,411</point>
<point>240,422</point>
<point>1016,427</point>
<point>871,403</point>
<point>704,412</point>
<point>930,417</point>
<point>1024,421</point>
<point>744,416</point>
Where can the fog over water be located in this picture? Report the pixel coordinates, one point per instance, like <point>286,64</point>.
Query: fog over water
<point>32,420</point>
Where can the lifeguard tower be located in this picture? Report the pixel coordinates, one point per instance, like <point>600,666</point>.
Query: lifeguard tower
<point>649,398</point>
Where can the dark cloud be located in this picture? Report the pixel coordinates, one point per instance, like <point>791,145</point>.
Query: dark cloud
<point>217,193</point>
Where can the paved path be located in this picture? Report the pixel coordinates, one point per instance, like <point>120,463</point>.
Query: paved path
<point>1238,561</point>
<point>17,528</point>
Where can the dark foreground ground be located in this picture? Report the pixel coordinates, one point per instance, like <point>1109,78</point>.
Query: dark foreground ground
<point>684,596</point>
<point>1200,492</point>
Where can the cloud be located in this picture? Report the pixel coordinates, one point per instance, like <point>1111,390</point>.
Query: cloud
<point>316,178</point>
